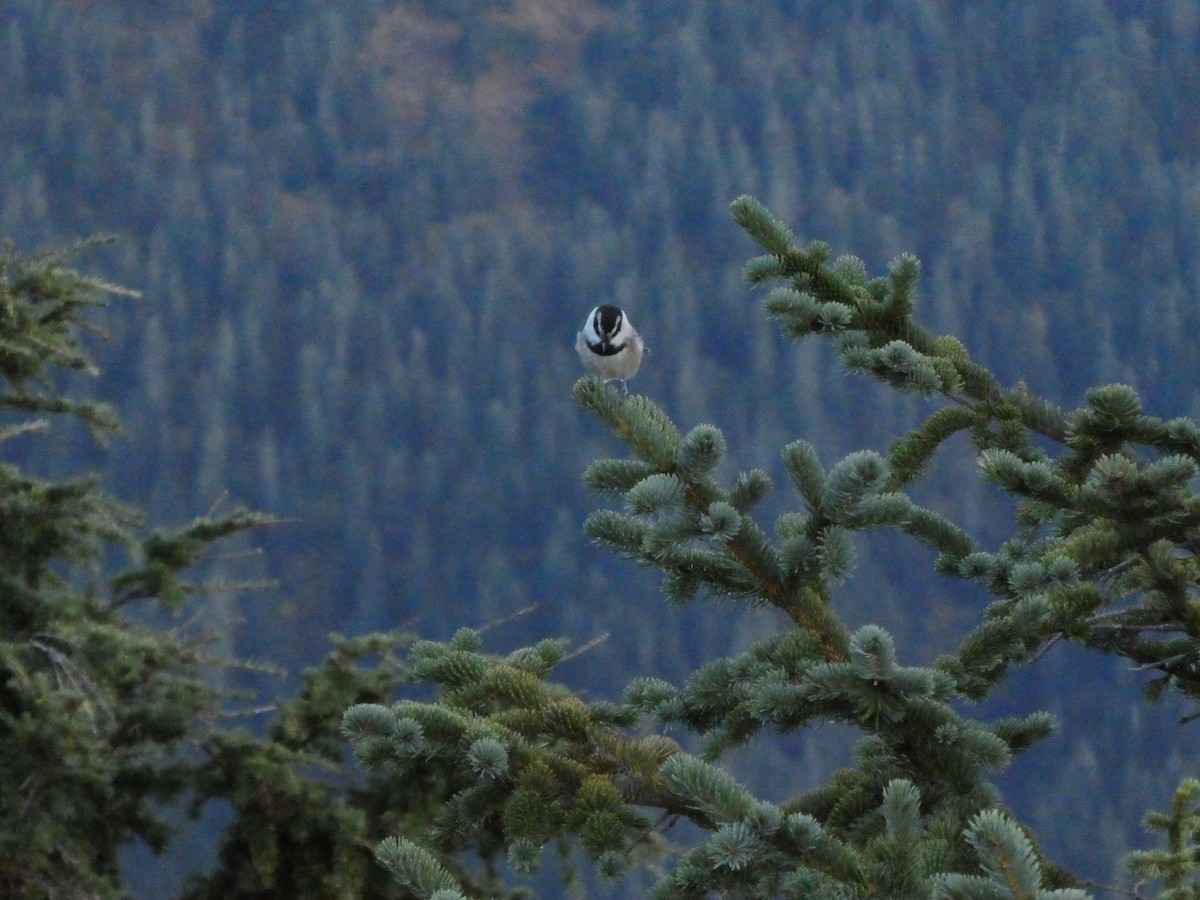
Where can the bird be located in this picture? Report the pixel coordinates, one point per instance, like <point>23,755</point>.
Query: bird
<point>609,345</point>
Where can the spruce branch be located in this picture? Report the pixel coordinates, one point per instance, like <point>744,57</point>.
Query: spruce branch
<point>1010,864</point>
<point>165,556</point>
<point>909,456</point>
<point>634,419</point>
<point>873,320</point>
<point>771,234</point>
<point>41,307</point>
<point>675,503</point>
<point>418,870</point>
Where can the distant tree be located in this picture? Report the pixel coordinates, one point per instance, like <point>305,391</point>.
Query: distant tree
<point>1102,553</point>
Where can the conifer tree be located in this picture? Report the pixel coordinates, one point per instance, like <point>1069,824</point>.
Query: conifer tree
<point>1102,554</point>
<point>95,711</point>
<point>108,719</point>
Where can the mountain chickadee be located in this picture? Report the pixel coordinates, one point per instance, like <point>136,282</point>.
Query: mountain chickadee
<point>609,346</point>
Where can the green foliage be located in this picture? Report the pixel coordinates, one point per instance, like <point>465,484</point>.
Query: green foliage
<point>1010,865</point>
<point>108,723</point>
<point>1047,197</point>
<point>775,237</point>
<point>910,454</point>
<point>96,712</point>
<point>44,303</point>
<point>1177,864</point>
<point>309,339</point>
<point>1101,555</point>
<point>417,870</point>
<point>300,818</point>
<point>521,761</point>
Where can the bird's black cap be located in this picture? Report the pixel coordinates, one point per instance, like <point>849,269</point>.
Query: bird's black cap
<point>608,319</point>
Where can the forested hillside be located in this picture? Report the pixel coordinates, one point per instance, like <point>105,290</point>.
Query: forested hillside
<point>367,233</point>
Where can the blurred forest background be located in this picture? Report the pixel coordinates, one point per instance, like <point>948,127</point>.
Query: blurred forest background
<point>367,233</point>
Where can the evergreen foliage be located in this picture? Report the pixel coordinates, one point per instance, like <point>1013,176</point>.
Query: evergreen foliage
<point>1176,864</point>
<point>334,207</point>
<point>95,712</point>
<point>114,709</point>
<point>1101,553</point>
